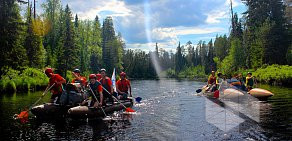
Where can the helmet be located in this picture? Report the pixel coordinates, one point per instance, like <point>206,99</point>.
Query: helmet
<point>123,74</point>
<point>98,76</point>
<point>101,70</point>
<point>76,70</point>
<point>249,73</point>
<point>92,76</point>
<point>48,71</point>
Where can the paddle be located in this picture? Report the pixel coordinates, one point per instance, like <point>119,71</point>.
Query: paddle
<point>138,99</point>
<point>127,109</point>
<point>198,90</point>
<point>24,114</point>
<point>96,100</point>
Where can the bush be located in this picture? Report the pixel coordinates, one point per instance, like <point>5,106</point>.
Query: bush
<point>28,78</point>
<point>190,72</point>
<point>275,74</point>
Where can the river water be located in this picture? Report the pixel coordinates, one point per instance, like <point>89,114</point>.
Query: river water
<point>170,110</point>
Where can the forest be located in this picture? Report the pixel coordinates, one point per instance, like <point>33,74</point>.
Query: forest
<point>258,41</point>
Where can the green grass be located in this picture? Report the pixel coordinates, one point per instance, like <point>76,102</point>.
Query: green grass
<point>275,74</point>
<point>197,72</point>
<point>25,80</point>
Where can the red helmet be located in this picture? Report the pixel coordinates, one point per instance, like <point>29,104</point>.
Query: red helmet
<point>92,76</point>
<point>48,71</point>
<point>98,76</point>
<point>123,74</point>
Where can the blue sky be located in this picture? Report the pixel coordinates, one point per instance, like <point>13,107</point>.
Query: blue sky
<point>144,22</point>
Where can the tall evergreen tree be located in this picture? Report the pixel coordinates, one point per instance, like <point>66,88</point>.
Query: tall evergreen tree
<point>13,54</point>
<point>33,44</point>
<point>96,50</point>
<point>52,13</point>
<point>69,57</point>
<point>221,46</point>
<point>178,59</point>
<point>108,36</point>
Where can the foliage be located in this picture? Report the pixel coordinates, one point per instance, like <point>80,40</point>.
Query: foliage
<point>275,74</point>
<point>193,72</point>
<point>138,64</point>
<point>26,79</point>
<point>12,52</point>
<point>33,43</point>
<point>68,57</point>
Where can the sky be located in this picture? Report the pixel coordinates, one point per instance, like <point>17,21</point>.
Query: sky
<point>142,23</point>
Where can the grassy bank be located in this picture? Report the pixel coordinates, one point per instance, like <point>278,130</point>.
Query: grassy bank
<point>197,73</point>
<point>25,80</point>
<point>275,75</point>
<point>272,74</point>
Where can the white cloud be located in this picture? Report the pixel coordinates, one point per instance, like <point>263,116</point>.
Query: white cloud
<point>215,16</point>
<point>197,30</point>
<point>221,12</point>
<point>114,8</point>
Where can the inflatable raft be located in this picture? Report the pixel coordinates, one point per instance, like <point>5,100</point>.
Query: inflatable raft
<point>49,110</point>
<point>90,112</point>
<point>231,93</point>
<point>260,93</point>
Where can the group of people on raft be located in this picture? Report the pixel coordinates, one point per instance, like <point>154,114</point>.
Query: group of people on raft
<point>99,87</point>
<point>237,81</point>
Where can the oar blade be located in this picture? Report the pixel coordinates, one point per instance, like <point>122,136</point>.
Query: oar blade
<point>198,90</point>
<point>23,114</point>
<point>130,110</point>
<point>138,99</point>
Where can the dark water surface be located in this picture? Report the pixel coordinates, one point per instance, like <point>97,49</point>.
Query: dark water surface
<point>170,110</point>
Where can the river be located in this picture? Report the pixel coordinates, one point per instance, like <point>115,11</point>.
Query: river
<point>170,110</point>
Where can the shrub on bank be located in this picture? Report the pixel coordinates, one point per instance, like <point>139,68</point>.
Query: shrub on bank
<point>275,74</point>
<point>196,72</point>
<point>25,80</point>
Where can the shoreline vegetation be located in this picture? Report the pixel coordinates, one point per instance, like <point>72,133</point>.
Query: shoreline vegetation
<point>31,79</point>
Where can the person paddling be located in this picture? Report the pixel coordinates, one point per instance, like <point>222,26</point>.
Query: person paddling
<point>57,80</point>
<point>219,79</point>
<point>79,80</point>
<point>97,89</point>
<point>98,77</point>
<point>234,81</point>
<point>106,82</point>
<point>123,87</point>
<point>249,81</point>
<point>212,82</point>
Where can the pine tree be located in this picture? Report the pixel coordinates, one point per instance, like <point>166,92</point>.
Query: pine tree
<point>211,52</point>
<point>69,56</point>
<point>13,54</point>
<point>52,39</point>
<point>221,46</point>
<point>178,59</point>
<point>33,44</point>
<point>96,50</point>
<point>108,36</point>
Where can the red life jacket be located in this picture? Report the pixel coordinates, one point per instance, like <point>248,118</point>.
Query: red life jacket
<point>123,85</point>
<point>212,80</point>
<point>106,83</point>
<point>57,87</point>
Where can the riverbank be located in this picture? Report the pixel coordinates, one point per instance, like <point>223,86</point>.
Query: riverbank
<point>280,75</point>
<point>275,75</point>
<point>27,79</point>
